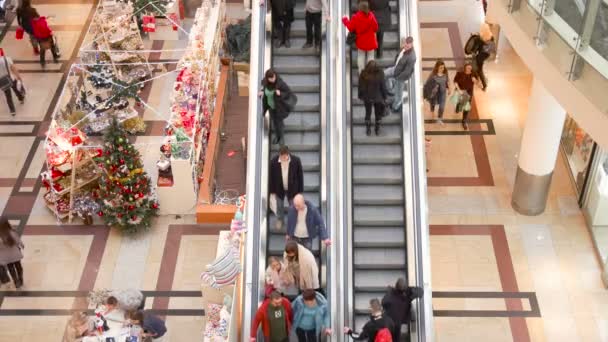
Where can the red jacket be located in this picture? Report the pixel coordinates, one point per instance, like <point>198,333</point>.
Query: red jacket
<point>40,28</point>
<point>365,27</point>
<point>262,317</point>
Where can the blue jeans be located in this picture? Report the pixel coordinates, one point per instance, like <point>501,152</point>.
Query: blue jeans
<point>394,86</point>
<point>439,100</point>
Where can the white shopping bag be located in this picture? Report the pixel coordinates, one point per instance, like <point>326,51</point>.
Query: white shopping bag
<point>272,203</point>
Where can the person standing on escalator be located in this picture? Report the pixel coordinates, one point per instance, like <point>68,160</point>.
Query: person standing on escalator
<point>315,10</point>
<point>286,180</point>
<point>397,304</point>
<point>397,74</point>
<point>310,316</point>
<point>364,25</point>
<point>305,223</point>
<point>282,17</point>
<point>373,93</point>
<point>382,11</point>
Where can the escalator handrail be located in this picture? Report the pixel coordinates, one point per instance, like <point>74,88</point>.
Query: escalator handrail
<point>416,206</point>
<point>257,170</point>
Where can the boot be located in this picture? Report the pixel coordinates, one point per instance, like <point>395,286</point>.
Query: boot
<point>377,128</point>
<point>368,128</point>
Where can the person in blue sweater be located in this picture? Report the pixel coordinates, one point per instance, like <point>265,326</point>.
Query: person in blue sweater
<point>305,223</point>
<point>310,316</point>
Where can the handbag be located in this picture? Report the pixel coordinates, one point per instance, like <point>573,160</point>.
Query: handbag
<point>19,33</point>
<point>351,38</point>
<point>455,98</point>
<point>6,81</point>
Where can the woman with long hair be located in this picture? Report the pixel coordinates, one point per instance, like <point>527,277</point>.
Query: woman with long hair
<point>373,93</point>
<point>25,14</point>
<point>10,251</point>
<point>278,100</point>
<point>441,81</point>
<point>364,25</point>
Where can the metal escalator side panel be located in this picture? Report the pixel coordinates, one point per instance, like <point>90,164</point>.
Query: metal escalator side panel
<point>257,172</point>
<point>418,243</point>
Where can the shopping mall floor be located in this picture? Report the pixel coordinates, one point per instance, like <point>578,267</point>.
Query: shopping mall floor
<point>497,275</point>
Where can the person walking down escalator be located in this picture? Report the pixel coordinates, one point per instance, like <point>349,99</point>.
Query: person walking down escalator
<point>382,11</point>
<point>282,17</point>
<point>363,25</point>
<point>437,88</point>
<point>373,93</point>
<point>310,316</point>
<point>279,101</point>
<point>397,304</point>
<point>286,180</point>
<point>275,316</point>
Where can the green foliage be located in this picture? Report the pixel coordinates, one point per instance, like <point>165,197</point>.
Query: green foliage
<point>123,90</point>
<point>140,7</point>
<point>124,187</point>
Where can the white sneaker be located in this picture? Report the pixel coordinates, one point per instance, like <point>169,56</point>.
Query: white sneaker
<point>439,121</point>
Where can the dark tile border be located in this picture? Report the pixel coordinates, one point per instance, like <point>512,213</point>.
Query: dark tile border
<point>168,263</point>
<point>473,122</point>
<point>64,312</point>
<point>530,296</point>
<point>504,263</point>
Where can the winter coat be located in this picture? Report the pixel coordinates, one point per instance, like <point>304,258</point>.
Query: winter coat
<point>314,222</point>
<point>397,305</point>
<point>295,178</point>
<point>308,275</point>
<point>365,27</point>
<point>321,312</point>
<point>10,254</point>
<point>430,90</point>
<point>281,102</point>
<point>41,29</point>
<point>261,316</point>
<point>371,328</point>
<point>405,68</point>
<point>382,11</point>
<point>373,88</point>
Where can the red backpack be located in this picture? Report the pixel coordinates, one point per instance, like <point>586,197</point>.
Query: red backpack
<point>40,28</point>
<point>383,335</point>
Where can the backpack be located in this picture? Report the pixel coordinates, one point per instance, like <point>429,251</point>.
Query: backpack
<point>473,44</point>
<point>383,335</point>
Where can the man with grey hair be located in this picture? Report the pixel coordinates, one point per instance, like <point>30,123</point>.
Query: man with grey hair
<point>304,223</point>
<point>401,72</point>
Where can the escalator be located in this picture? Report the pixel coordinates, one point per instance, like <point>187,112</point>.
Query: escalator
<point>386,229</point>
<point>306,132</point>
<point>379,238</point>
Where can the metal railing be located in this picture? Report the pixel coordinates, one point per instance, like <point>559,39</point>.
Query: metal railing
<point>416,206</point>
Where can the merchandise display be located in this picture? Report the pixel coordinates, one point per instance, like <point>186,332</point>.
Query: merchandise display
<point>192,106</point>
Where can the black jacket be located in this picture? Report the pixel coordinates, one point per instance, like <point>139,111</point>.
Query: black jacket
<point>370,329</point>
<point>373,88</point>
<point>284,103</point>
<point>397,305</point>
<point>282,7</point>
<point>295,178</point>
<point>405,68</point>
<point>382,11</point>
<point>24,18</point>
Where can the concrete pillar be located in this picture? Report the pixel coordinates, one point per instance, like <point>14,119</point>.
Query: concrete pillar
<point>538,151</point>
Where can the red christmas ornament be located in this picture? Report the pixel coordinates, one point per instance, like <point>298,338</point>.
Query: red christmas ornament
<point>122,161</point>
<point>100,213</point>
<point>134,217</point>
<point>131,207</point>
<point>141,195</point>
<point>155,205</point>
<point>119,215</point>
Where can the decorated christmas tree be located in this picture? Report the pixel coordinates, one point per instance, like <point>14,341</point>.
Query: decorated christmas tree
<point>124,194</point>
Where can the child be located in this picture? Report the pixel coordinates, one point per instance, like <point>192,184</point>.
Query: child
<point>279,277</point>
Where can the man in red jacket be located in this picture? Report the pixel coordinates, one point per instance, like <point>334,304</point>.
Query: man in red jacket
<point>275,315</point>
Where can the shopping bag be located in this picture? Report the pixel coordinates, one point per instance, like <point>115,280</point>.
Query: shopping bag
<point>455,98</point>
<point>272,203</point>
<point>19,33</point>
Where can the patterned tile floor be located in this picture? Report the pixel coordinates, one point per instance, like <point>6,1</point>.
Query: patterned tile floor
<point>544,267</point>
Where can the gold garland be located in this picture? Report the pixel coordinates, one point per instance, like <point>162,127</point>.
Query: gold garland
<point>126,179</point>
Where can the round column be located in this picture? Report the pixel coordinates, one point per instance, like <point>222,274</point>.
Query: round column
<point>538,151</point>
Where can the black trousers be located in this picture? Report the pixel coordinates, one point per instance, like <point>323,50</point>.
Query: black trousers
<point>9,96</point>
<point>54,51</point>
<point>380,39</point>
<point>4,278</point>
<point>16,271</point>
<point>313,22</point>
<point>480,58</point>
<point>282,25</point>
<point>378,111</point>
<point>306,335</point>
